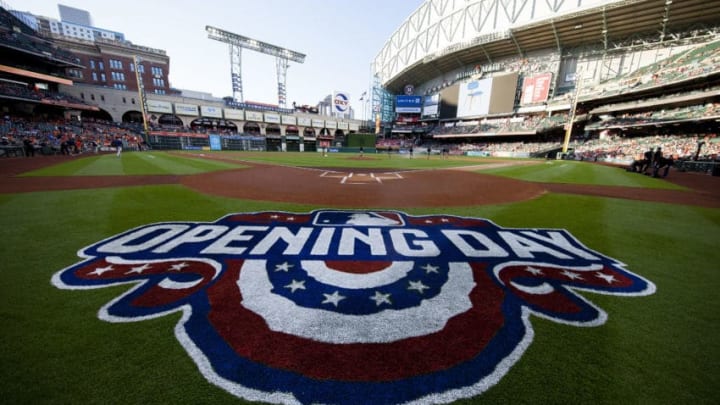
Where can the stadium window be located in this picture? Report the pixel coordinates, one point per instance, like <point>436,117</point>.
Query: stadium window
<point>82,96</point>
<point>124,100</point>
<point>92,97</point>
<point>132,67</point>
<point>102,97</point>
<point>92,64</point>
<point>101,65</point>
<point>94,76</point>
<point>132,100</point>
<point>103,78</point>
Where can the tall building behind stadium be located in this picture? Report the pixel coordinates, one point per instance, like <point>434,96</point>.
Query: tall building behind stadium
<point>479,70</point>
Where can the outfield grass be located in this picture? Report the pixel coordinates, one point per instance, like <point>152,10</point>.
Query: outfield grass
<point>369,160</point>
<point>661,348</point>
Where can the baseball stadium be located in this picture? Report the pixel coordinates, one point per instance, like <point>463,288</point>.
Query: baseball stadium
<point>530,215</point>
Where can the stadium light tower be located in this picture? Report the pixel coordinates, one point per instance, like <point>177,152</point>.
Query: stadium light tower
<point>237,42</point>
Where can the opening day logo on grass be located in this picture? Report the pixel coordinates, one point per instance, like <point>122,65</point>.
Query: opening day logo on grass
<point>351,306</point>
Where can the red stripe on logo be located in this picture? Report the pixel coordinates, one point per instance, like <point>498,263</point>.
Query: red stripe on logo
<point>464,337</point>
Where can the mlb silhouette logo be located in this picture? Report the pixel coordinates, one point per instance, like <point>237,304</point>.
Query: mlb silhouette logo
<point>354,218</point>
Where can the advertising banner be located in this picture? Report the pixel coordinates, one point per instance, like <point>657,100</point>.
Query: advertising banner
<point>342,125</point>
<point>210,111</point>
<point>331,124</point>
<point>186,109</point>
<point>288,119</point>
<point>233,114</point>
<point>272,118</point>
<point>535,89</point>
<point>318,123</point>
<point>408,104</point>
<point>304,121</point>
<point>215,143</point>
<point>354,126</point>
<point>341,102</point>
<point>253,116</point>
<point>159,106</point>
<point>431,106</point>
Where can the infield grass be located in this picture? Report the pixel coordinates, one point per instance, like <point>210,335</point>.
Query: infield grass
<point>661,348</point>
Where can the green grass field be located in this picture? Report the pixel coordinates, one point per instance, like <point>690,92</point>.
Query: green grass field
<point>662,348</point>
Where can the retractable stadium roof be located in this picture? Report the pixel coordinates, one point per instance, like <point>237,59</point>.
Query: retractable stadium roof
<point>600,27</point>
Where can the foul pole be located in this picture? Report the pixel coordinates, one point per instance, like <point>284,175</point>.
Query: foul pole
<point>141,94</point>
<point>573,109</point>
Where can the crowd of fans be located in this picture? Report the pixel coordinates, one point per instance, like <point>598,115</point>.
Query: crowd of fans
<point>612,149</point>
<point>22,37</point>
<point>693,112</point>
<point>527,124</point>
<point>693,63</point>
<point>16,90</point>
<point>59,136</point>
<point>624,150</point>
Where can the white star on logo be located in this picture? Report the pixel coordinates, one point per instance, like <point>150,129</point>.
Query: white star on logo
<point>534,271</point>
<point>418,286</point>
<point>296,285</point>
<point>571,275</point>
<point>139,269</point>
<point>100,270</point>
<point>283,267</point>
<point>607,277</point>
<point>430,268</point>
<point>381,298</point>
<point>179,266</point>
<point>333,298</point>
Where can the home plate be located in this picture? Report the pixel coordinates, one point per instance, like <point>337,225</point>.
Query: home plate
<point>362,178</point>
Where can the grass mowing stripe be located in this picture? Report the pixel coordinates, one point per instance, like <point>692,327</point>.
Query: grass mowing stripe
<point>580,173</point>
<point>133,163</point>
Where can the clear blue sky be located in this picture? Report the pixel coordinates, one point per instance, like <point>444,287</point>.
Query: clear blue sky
<point>339,37</point>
